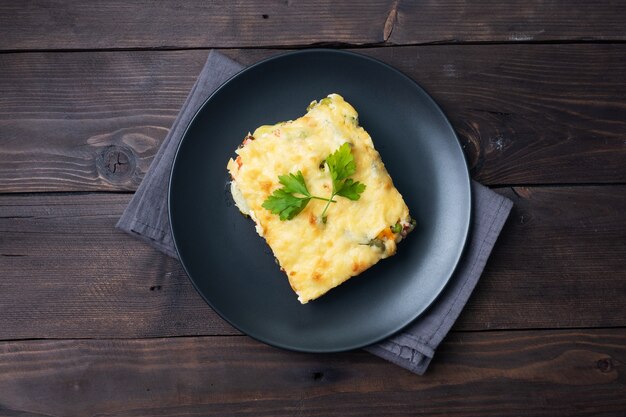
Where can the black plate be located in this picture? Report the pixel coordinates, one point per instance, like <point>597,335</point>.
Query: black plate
<point>233,268</point>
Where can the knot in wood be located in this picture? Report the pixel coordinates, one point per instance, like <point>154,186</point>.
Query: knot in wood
<point>317,376</point>
<point>605,365</point>
<point>116,164</point>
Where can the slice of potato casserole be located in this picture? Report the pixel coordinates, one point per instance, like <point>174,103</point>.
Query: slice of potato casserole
<point>320,196</point>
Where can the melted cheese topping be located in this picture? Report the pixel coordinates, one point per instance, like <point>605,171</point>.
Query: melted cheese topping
<point>316,256</point>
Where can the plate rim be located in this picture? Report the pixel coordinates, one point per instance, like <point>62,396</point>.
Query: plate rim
<point>467,224</point>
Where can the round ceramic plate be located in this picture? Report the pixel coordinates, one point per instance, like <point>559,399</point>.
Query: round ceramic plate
<point>234,269</point>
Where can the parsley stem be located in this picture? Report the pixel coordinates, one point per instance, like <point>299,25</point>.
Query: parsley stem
<point>326,208</point>
<point>330,200</point>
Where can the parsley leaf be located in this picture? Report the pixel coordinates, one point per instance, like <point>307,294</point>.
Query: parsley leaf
<point>285,204</point>
<point>350,189</point>
<point>294,183</point>
<point>341,164</point>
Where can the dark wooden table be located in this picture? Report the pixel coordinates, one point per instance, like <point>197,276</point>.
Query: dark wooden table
<point>93,322</point>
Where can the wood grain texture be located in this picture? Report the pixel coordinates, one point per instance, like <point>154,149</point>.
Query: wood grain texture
<point>560,257</point>
<point>65,119</point>
<point>525,113</point>
<point>191,24</point>
<point>77,275</point>
<point>72,24</point>
<point>67,273</point>
<point>535,373</point>
<point>493,21</point>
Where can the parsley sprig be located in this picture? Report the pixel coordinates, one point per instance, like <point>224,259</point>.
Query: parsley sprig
<point>293,197</point>
<point>286,201</point>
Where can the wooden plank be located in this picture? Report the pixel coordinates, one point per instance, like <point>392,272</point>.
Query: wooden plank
<point>67,273</point>
<point>529,373</point>
<point>493,21</point>
<point>561,257</point>
<point>73,24</point>
<point>76,274</point>
<point>65,119</point>
<point>525,114</point>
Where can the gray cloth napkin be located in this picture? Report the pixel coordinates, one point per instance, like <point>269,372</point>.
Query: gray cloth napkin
<point>146,217</point>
